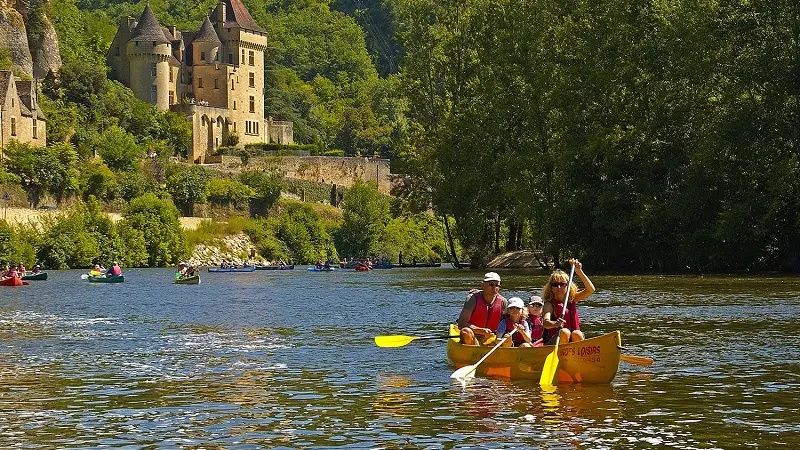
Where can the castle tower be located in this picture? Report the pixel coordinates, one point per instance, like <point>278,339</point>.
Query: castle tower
<point>206,46</point>
<point>243,44</point>
<point>149,53</point>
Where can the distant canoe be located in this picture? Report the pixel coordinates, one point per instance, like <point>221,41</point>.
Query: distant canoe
<point>363,268</point>
<point>188,280</point>
<point>275,267</point>
<point>105,279</point>
<point>39,276</point>
<point>231,269</point>
<point>315,269</point>
<point>438,264</point>
<point>13,281</point>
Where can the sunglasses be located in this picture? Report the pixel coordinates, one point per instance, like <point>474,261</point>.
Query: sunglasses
<point>558,285</point>
<point>493,283</point>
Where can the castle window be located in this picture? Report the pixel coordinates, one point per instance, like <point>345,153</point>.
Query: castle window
<point>153,70</point>
<point>171,76</point>
<point>234,127</point>
<point>35,134</point>
<point>116,51</point>
<point>242,55</point>
<point>251,58</point>
<point>256,124</point>
<point>252,104</point>
<point>234,104</point>
<point>13,126</point>
<point>231,84</point>
<point>12,102</point>
<point>216,83</point>
<point>230,55</point>
<point>202,56</point>
<point>153,94</point>
<point>171,97</point>
<point>154,43</point>
<point>199,82</point>
<point>252,79</point>
<point>136,43</point>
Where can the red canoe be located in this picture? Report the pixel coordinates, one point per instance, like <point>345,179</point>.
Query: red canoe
<point>13,281</point>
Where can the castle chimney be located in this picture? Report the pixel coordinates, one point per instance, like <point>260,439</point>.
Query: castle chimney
<point>221,13</point>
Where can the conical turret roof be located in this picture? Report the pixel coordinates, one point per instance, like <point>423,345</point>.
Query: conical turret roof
<point>207,33</point>
<point>148,28</point>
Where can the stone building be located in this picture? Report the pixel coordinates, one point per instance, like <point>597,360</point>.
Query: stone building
<point>20,116</point>
<point>214,76</point>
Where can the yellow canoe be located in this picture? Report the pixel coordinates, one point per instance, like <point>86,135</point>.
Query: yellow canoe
<point>594,360</point>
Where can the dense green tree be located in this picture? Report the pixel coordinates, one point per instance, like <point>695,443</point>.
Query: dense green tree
<point>366,213</point>
<point>267,190</point>
<point>43,169</point>
<point>118,149</point>
<point>155,222</point>
<point>188,185</point>
<point>227,192</point>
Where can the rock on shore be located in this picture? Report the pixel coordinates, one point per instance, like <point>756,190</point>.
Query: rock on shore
<point>236,248</point>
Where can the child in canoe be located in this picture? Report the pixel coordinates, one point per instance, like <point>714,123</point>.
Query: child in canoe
<point>514,318</point>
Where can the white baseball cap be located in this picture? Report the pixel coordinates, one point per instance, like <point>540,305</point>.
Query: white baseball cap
<point>491,276</point>
<point>515,302</point>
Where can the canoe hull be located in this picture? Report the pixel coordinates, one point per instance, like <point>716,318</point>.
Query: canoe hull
<point>41,276</point>
<point>117,279</point>
<point>15,281</point>
<point>230,269</point>
<point>188,280</point>
<point>314,269</point>
<point>594,361</point>
<point>275,267</point>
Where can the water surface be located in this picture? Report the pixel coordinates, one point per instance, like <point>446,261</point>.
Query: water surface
<point>286,359</point>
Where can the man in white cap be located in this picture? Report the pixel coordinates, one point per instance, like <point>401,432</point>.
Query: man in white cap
<point>482,312</point>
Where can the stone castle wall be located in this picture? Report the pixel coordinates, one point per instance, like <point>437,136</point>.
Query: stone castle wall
<point>341,171</point>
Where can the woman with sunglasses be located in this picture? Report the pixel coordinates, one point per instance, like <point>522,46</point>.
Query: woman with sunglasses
<point>553,294</point>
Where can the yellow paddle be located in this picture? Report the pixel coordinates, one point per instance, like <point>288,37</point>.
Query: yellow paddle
<point>467,372</point>
<point>551,363</point>
<point>636,360</point>
<point>399,340</point>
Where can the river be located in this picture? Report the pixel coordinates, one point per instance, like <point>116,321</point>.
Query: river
<point>286,360</point>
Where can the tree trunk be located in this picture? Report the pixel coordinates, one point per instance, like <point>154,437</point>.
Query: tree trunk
<point>451,243</point>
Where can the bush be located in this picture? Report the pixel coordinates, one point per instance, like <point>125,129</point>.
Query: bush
<point>267,190</point>
<point>99,181</point>
<point>157,220</point>
<point>188,185</point>
<point>79,238</point>
<point>226,192</point>
<point>118,149</point>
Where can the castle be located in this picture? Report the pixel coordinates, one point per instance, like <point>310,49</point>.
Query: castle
<point>214,76</point>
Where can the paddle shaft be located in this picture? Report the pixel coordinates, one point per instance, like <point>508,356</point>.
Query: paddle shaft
<point>475,366</point>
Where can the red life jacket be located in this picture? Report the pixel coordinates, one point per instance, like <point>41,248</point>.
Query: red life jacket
<point>116,271</point>
<point>516,337</point>
<point>573,321</point>
<point>537,327</point>
<point>485,315</point>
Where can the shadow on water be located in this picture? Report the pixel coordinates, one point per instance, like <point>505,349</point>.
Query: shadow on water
<point>286,359</point>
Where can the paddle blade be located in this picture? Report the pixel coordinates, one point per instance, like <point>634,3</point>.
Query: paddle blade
<point>396,340</point>
<point>636,360</point>
<point>464,373</point>
<point>549,368</point>
<point>84,276</point>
